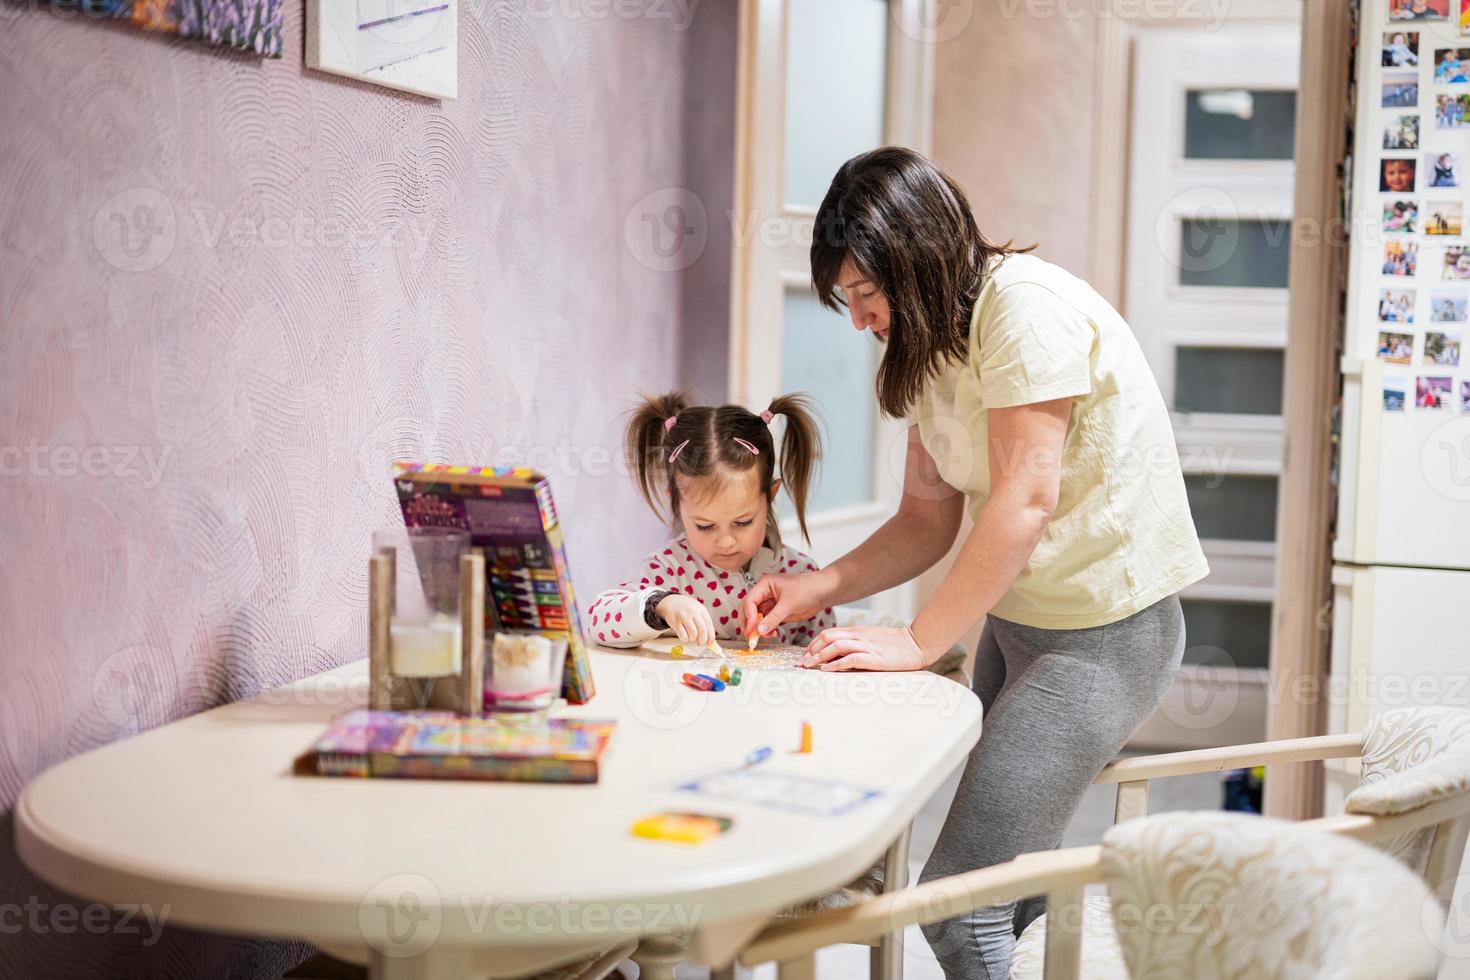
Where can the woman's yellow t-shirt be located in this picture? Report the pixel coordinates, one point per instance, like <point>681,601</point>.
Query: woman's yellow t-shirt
<point>1121,537</point>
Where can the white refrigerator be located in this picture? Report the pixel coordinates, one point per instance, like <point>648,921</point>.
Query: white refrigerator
<point>1401,578</point>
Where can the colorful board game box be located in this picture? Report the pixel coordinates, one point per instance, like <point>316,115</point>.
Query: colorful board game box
<point>508,512</point>
<point>442,745</point>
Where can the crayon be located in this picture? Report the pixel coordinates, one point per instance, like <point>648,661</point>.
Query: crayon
<point>758,756</point>
<point>715,682</point>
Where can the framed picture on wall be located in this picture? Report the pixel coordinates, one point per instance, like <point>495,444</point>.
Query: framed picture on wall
<point>412,45</point>
<point>253,26</point>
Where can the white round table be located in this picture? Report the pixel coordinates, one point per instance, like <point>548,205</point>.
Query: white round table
<point>423,878</point>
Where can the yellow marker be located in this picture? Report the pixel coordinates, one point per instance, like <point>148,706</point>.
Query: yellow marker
<point>681,828</point>
<point>806,737</point>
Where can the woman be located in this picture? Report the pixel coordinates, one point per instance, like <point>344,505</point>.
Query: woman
<point>1029,401</point>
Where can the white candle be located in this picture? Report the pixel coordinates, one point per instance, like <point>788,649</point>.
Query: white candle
<point>520,664</point>
<point>426,646</point>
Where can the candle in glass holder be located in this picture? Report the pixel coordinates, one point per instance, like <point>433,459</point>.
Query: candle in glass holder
<point>424,646</point>
<point>525,670</point>
<point>424,629</point>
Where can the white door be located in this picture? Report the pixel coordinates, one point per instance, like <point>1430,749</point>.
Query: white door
<point>1210,192</point>
<point>820,81</point>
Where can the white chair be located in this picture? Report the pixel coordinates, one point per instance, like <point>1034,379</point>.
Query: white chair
<point>1197,895</point>
<point>1429,747</point>
<point>1414,802</point>
<point>1211,895</point>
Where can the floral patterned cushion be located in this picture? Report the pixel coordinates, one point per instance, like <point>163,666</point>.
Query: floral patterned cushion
<point>1438,779</point>
<point>1412,756</point>
<point>1215,895</point>
<point>1397,740</point>
<point>870,885</point>
<point>1102,957</point>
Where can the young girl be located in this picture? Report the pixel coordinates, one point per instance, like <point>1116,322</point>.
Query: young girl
<point>717,469</point>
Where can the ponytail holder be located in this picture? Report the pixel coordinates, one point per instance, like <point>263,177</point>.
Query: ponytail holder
<point>766,416</point>
<point>753,451</point>
<point>670,422</point>
<point>677,450</point>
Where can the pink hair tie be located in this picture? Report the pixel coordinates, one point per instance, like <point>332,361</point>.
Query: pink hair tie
<point>766,416</point>
<point>677,450</point>
<point>753,451</point>
<point>670,422</point>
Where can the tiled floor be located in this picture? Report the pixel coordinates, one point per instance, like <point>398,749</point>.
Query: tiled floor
<point>1087,827</point>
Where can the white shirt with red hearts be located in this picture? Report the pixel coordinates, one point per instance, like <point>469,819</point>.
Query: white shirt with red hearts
<point>617,614</point>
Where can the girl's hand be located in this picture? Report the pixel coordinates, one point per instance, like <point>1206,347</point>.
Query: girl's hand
<point>688,618</point>
<point>777,599</point>
<point>866,648</point>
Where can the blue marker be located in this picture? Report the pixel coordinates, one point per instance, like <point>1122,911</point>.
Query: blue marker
<point>759,755</point>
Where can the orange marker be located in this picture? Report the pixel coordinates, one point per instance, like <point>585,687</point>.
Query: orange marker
<point>806,738</point>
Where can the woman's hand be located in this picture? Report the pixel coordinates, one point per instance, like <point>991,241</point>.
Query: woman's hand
<point>866,648</point>
<point>777,599</point>
<point>688,618</point>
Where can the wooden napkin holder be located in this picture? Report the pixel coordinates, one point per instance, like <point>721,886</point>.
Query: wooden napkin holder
<point>463,692</point>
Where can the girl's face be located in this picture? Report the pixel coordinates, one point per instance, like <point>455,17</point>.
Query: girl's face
<point>1398,175</point>
<point>867,306</point>
<point>726,523</point>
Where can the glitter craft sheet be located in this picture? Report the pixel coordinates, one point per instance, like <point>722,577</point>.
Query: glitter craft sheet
<point>781,791</point>
<point>767,656</point>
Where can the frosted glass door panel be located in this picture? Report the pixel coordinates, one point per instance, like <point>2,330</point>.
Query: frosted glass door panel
<point>1231,380</point>
<point>1232,253</point>
<point>1239,124</point>
<point>1233,508</point>
<point>822,355</point>
<point>836,58</point>
<point>1227,634</point>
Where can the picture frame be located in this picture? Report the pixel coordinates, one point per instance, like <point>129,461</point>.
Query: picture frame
<point>409,45</point>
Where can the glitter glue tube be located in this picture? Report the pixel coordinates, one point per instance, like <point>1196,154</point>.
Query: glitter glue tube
<point>715,682</point>
<point>698,682</point>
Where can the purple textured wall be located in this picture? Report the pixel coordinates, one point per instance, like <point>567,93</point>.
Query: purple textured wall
<point>231,292</point>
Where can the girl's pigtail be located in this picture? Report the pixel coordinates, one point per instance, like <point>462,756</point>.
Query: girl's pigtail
<point>647,439</point>
<point>801,448</point>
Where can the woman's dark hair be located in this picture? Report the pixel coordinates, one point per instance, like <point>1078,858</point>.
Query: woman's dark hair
<point>714,443</point>
<point>907,227</point>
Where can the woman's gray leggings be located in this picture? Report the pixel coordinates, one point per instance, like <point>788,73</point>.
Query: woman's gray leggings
<point>1059,704</point>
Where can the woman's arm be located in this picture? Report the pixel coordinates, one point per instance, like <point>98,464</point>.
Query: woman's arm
<point>1025,453</point>
<point>1025,478</point>
<point>910,542</point>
